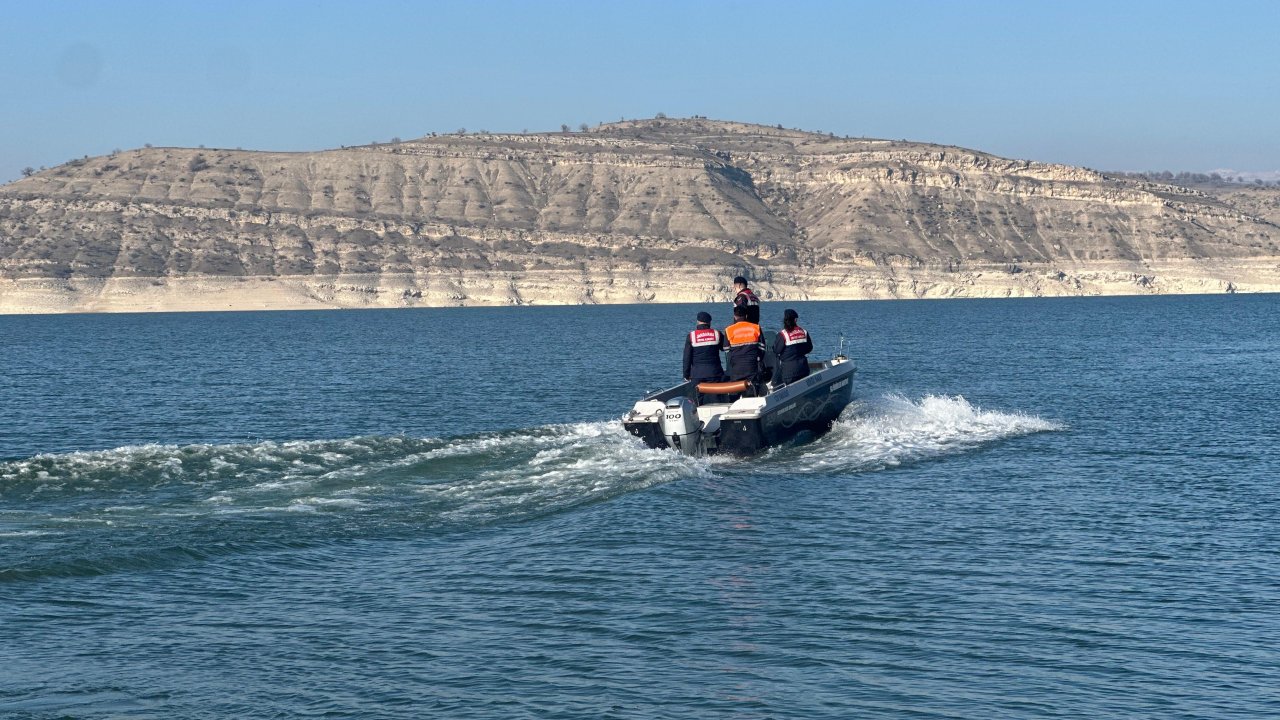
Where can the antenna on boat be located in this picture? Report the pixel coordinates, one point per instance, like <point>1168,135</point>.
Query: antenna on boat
<point>840,352</point>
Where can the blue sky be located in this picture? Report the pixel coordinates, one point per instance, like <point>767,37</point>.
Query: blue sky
<point>1109,85</point>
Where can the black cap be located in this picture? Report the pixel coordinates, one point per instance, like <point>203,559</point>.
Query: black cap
<point>704,317</point>
<point>739,280</point>
<point>789,314</point>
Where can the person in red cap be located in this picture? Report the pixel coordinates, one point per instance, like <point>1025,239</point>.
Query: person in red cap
<point>746,299</point>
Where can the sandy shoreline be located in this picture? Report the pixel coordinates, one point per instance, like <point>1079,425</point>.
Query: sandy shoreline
<point>616,286</point>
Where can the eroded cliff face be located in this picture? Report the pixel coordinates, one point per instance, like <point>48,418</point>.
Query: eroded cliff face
<point>659,210</point>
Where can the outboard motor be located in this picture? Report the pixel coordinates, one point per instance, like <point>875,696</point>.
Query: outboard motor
<point>681,427</point>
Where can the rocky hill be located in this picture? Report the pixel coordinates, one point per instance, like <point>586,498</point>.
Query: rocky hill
<point>652,210</point>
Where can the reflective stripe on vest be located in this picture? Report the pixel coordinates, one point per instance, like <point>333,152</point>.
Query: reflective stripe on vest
<point>795,336</point>
<point>746,297</point>
<point>702,337</point>
<point>743,333</point>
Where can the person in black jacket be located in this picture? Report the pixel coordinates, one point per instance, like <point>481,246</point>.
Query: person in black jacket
<point>745,298</point>
<point>746,348</point>
<point>792,346</point>
<point>702,352</point>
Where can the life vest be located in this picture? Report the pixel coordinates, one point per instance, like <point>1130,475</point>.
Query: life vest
<point>742,333</point>
<point>794,336</point>
<point>704,337</point>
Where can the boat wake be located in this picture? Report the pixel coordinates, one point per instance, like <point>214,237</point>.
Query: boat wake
<point>891,430</point>
<point>149,506</point>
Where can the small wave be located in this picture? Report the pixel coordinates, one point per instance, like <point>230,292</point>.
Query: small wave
<point>891,430</point>
<point>25,533</point>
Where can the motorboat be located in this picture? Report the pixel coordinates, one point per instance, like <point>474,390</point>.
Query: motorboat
<point>742,418</point>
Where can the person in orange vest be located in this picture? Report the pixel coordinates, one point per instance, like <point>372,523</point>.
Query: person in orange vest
<point>746,347</point>
<point>745,298</point>
<point>792,346</point>
<point>702,352</point>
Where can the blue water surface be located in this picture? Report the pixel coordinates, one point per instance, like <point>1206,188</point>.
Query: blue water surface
<point>1056,508</point>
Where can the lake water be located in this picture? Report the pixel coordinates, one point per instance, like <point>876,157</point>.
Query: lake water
<point>1049,508</point>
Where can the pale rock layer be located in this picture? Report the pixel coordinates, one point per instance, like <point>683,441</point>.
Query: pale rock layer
<point>655,285</point>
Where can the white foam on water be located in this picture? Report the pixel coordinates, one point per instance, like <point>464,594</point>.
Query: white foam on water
<point>287,483</point>
<point>561,466</point>
<point>891,430</point>
<point>482,477</point>
<point>314,505</point>
<point>465,447</point>
<point>331,502</point>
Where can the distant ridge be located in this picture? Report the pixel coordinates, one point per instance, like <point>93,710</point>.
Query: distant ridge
<point>636,211</point>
